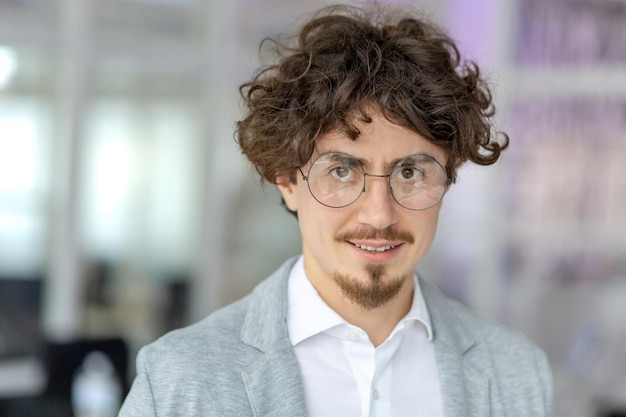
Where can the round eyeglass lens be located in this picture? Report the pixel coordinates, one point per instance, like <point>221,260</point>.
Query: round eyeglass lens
<point>418,182</point>
<point>336,179</point>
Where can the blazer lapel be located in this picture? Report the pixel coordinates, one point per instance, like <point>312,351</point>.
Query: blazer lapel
<point>274,386</point>
<point>273,382</point>
<point>465,389</point>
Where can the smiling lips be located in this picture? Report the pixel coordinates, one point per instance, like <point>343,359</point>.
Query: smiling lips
<point>375,249</point>
<point>376,245</point>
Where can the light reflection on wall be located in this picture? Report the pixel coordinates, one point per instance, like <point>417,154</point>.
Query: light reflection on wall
<point>8,65</point>
<point>138,183</point>
<point>109,172</point>
<point>23,163</point>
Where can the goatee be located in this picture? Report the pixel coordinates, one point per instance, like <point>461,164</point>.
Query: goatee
<point>372,294</point>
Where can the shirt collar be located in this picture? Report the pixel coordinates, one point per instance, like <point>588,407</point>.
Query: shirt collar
<point>308,314</point>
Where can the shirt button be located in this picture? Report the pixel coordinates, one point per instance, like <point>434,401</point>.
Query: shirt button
<point>375,394</point>
<point>353,335</point>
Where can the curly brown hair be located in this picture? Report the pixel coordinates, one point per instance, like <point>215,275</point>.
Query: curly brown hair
<point>347,62</point>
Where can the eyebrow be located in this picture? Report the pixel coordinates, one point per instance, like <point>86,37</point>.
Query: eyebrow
<point>364,163</point>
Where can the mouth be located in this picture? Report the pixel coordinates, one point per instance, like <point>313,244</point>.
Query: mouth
<point>374,245</point>
<point>375,249</point>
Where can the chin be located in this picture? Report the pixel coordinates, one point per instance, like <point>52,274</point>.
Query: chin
<point>373,291</point>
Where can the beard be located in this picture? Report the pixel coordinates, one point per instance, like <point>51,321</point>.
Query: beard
<point>373,294</point>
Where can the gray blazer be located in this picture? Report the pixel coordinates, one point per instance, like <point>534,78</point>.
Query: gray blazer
<point>239,362</point>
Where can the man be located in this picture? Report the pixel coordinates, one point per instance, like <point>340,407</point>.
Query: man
<point>362,125</point>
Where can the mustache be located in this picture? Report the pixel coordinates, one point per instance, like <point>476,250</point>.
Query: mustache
<point>370,233</point>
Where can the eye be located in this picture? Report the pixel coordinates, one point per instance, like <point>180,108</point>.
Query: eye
<point>342,167</point>
<point>410,173</point>
<point>341,172</point>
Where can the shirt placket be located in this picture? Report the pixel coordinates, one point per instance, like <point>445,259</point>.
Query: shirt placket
<point>361,356</point>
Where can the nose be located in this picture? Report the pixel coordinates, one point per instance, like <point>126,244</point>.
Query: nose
<point>376,205</point>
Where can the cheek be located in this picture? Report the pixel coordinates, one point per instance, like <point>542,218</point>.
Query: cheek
<point>425,226</point>
<point>309,215</point>
<point>316,221</point>
<point>319,224</point>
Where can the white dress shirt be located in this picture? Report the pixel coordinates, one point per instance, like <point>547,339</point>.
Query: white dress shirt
<point>344,375</point>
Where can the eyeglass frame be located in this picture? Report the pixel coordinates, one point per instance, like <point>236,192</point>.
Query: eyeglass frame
<point>367,174</point>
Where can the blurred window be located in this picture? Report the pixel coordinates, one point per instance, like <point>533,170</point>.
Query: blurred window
<point>23,164</point>
<point>139,180</point>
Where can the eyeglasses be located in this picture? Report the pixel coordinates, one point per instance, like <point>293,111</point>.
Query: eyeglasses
<point>417,182</point>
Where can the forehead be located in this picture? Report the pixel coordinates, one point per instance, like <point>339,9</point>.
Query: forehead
<point>380,143</point>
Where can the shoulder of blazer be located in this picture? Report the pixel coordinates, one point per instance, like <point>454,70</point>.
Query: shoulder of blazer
<point>473,351</point>
<point>459,325</point>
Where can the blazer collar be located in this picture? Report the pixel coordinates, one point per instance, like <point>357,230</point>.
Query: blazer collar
<point>273,382</point>
<point>460,359</point>
<point>266,316</point>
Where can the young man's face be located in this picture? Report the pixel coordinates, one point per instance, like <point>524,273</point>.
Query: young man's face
<point>369,249</point>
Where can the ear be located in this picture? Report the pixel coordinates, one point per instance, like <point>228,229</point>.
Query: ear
<point>288,191</point>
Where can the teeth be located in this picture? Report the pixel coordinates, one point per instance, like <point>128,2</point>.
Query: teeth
<point>373,249</point>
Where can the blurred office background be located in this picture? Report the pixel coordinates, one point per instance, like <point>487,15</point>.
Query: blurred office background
<point>126,209</point>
